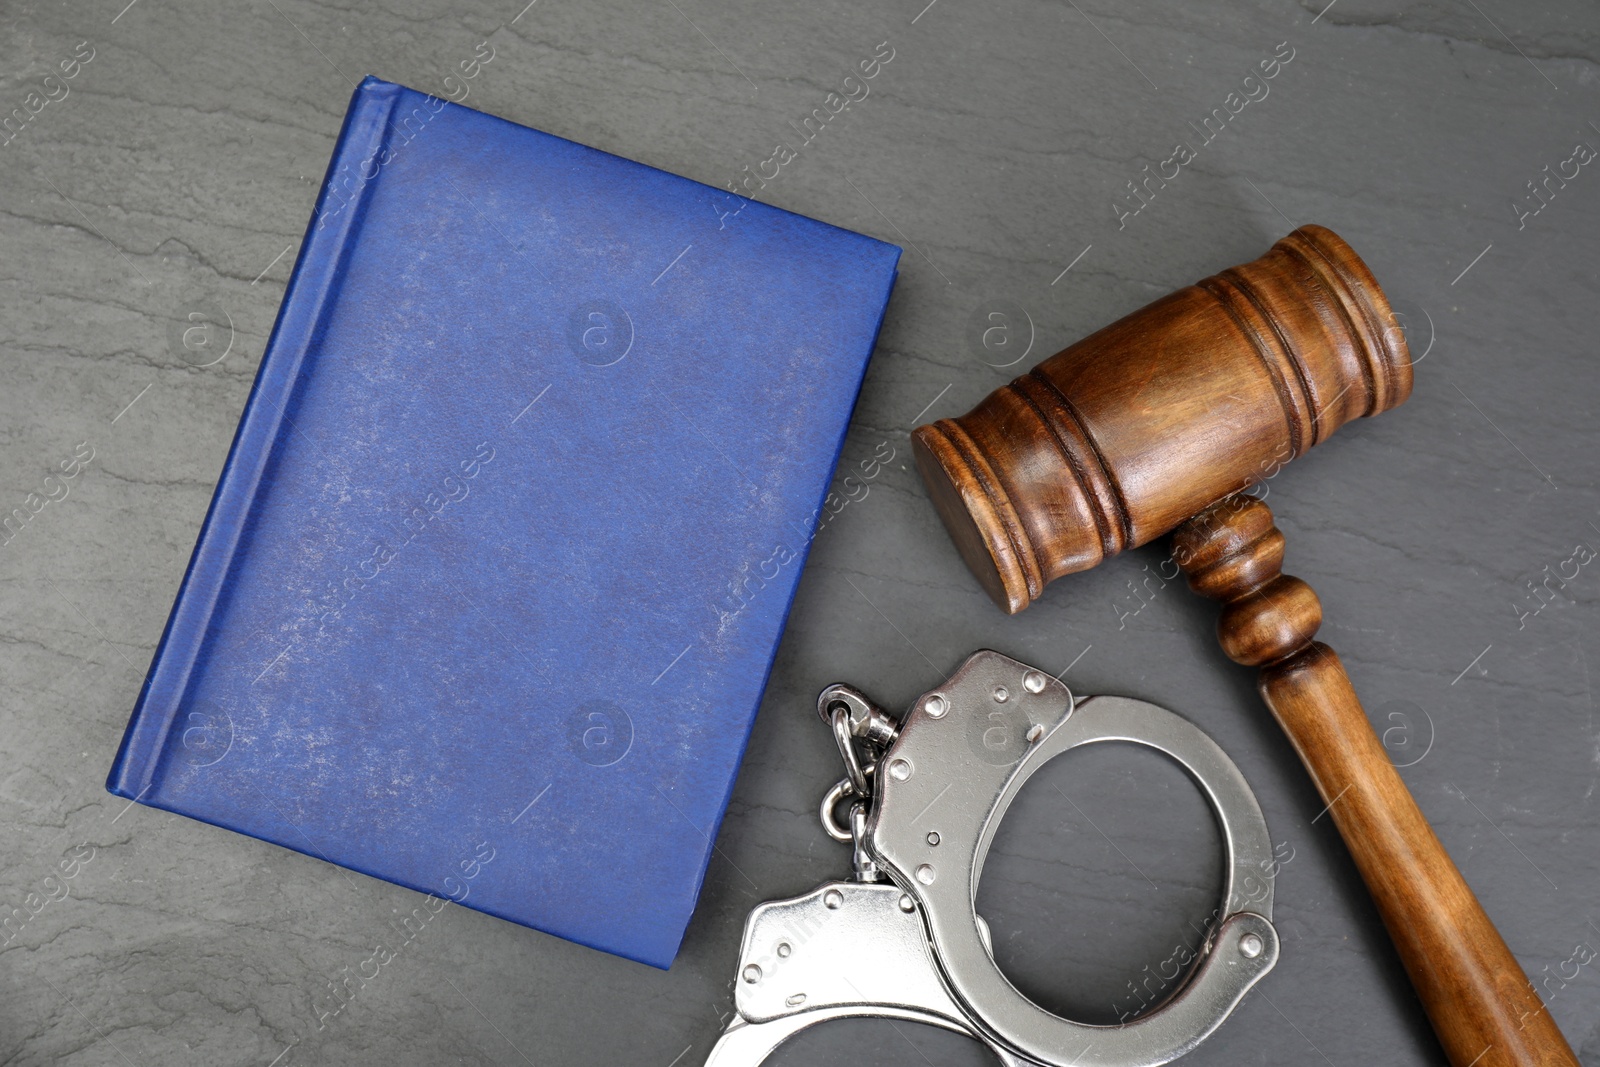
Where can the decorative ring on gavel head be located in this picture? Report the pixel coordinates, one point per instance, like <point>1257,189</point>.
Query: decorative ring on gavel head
<point>1121,437</point>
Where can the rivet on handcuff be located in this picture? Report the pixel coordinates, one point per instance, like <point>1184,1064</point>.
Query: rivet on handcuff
<point>903,939</point>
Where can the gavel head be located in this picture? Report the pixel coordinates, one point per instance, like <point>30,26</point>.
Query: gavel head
<point>1118,439</point>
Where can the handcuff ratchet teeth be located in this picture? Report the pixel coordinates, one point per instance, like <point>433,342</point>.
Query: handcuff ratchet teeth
<point>903,940</point>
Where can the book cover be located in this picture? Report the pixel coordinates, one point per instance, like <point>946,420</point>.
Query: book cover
<point>497,565</point>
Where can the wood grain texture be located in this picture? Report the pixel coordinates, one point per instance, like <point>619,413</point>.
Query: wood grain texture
<point>1482,1006</point>
<point>1114,441</point>
<point>1167,414</point>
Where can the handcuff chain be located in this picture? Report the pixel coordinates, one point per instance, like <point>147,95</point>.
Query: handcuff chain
<point>856,783</point>
<point>855,721</point>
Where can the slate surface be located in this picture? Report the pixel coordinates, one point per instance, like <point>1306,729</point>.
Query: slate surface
<point>166,191</point>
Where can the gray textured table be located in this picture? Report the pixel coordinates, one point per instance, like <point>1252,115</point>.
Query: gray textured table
<point>167,189</point>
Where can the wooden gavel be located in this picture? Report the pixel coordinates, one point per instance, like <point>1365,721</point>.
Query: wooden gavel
<point>1157,423</point>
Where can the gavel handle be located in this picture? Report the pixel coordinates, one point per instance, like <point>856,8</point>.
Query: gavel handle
<point>1482,1006</point>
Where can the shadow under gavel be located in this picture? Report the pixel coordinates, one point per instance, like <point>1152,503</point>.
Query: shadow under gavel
<point>1157,423</point>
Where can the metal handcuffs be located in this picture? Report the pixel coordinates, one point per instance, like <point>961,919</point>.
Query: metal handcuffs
<point>903,939</point>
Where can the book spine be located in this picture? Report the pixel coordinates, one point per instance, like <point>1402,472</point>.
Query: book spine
<point>335,224</point>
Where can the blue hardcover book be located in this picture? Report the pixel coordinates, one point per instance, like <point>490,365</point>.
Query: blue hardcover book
<point>499,560</point>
